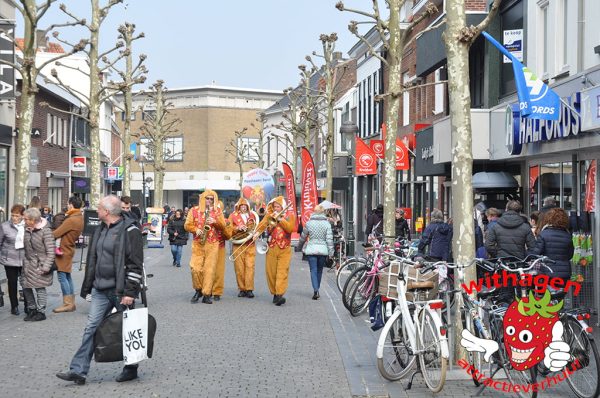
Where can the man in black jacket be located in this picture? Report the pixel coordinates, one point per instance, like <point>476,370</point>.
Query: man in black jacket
<point>375,222</point>
<point>113,276</point>
<point>511,236</point>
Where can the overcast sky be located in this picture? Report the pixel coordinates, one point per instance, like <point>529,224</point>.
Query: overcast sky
<point>239,43</point>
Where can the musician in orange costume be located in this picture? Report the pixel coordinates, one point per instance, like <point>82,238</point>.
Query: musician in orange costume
<point>280,250</point>
<point>204,256</point>
<point>242,221</point>
<point>219,283</point>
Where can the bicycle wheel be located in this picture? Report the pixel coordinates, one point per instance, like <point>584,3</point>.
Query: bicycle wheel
<point>433,365</point>
<point>584,381</point>
<point>475,358</point>
<point>354,278</point>
<point>362,294</point>
<point>346,269</point>
<point>396,359</point>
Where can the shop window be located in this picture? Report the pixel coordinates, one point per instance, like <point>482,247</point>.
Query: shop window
<point>549,182</point>
<point>567,188</point>
<point>534,172</point>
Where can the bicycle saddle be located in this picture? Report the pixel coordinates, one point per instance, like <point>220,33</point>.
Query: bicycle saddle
<point>485,293</point>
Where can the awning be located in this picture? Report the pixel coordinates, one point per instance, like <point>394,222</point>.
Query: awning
<point>494,180</point>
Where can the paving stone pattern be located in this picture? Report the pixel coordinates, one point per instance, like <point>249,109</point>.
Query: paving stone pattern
<point>237,347</point>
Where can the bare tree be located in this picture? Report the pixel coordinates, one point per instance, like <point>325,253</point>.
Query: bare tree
<point>131,76</point>
<point>29,69</point>
<point>239,151</point>
<point>98,64</point>
<point>259,126</point>
<point>158,127</point>
<point>394,36</point>
<point>458,38</point>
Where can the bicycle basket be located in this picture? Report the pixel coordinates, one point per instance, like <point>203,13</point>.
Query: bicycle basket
<point>388,280</point>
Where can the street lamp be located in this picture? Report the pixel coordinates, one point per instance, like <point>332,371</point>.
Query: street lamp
<point>348,132</point>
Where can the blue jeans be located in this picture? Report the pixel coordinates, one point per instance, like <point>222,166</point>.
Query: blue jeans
<point>316,264</point>
<point>66,283</point>
<point>103,302</point>
<point>176,251</point>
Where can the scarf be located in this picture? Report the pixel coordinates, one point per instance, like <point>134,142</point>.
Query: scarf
<point>20,238</point>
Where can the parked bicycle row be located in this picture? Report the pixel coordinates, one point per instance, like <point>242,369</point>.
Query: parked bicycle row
<point>512,321</point>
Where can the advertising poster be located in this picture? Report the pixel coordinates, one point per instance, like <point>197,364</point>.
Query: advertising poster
<point>513,41</point>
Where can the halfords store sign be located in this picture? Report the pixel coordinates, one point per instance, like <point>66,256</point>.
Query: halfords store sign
<point>521,131</point>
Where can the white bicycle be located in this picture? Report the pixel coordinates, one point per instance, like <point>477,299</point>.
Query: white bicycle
<point>414,330</point>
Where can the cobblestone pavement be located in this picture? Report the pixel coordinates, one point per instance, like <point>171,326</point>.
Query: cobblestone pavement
<point>237,347</point>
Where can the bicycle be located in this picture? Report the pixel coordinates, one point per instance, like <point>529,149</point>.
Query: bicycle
<point>414,330</point>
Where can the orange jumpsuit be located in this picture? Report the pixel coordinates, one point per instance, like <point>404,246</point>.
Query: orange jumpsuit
<point>280,252</point>
<point>219,283</point>
<point>245,253</point>
<point>203,263</point>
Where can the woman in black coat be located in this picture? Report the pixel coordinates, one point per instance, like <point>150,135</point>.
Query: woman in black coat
<point>177,236</point>
<point>556,242</point>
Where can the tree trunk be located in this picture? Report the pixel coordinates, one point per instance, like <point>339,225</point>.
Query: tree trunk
<point>128,102</point>
<point>159,150</point>
<point>24,142</point>
<point>329,143</point>
<point>462,155</point>
<point>28,93</point>
<point>395,54</point>
<point>94,116</point>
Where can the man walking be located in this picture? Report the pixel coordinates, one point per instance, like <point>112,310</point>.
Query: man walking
<point>511,235</point>
<point>113,276</point>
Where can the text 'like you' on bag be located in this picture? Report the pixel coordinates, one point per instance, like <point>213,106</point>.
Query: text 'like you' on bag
<point>135,335</point>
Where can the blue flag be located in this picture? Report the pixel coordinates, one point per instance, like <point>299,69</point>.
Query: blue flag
<point>536,99</point>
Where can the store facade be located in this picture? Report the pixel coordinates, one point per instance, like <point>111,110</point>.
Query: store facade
<point>558,159</point>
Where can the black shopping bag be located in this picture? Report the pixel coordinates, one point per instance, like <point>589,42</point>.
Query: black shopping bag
<point>108,340</point>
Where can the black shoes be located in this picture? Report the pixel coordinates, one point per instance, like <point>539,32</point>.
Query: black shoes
<point>242,293</point>
<point>178,265</point>
<point>280,301</point>
<point>71,376</point>
<point>15,311</point>
<point>276,298</point>
<point>174,263</point>
<point>128,373</point>
<point>206,300</point>
<point>249,294</point>
<point>316,295</point>
<point>39,316</point>
<point>197,296</point>
<point>30,315</point>
<point>217,298</point>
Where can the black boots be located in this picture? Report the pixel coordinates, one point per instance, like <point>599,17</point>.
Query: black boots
<point>276,298</point>
<point>249,294</point>
<point>316,295</point>
<point>71,376</point>
<point>15,311</point>
<point>206,300</point>
<point>31,313</point>
<point>280,301</point>
<point>128,373</point>
<point>242,293</point>
<point>217,298</point>
<point>196,297</point>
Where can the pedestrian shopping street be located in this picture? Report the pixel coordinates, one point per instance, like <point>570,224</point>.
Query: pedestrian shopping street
<point>237,347</point>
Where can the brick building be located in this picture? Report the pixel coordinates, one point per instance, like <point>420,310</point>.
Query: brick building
<point>209,117</point>
<point>50,157</point>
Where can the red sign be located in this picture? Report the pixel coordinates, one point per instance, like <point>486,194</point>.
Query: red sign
<point>78,163</point>
<point>366,160</point>
<point>290,189</point>
<point>378,146</point>
<point>309,196</point>
<point>407,213</point>
<point>402,158</point>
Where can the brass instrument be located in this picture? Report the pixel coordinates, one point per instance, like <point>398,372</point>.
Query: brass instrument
<point>274,220</point>
<point>205,228</point>
<point>241,237</point>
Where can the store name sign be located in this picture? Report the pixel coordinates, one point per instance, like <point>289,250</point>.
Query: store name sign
<point>521,131</point>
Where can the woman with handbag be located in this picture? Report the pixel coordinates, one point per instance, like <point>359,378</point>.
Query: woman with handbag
<point>37,265</point>
<point>319,246</point>
<point>11,246</point>
<point>178,236</point>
